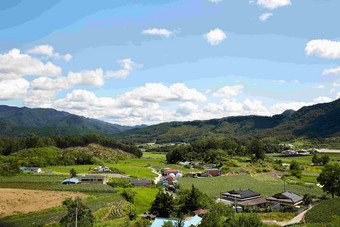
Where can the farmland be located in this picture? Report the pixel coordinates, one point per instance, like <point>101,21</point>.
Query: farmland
<point>216,185</point>
<point>324,212</point>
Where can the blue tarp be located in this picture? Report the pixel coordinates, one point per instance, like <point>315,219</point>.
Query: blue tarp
<point>71,181</point>
<point>159,222</point>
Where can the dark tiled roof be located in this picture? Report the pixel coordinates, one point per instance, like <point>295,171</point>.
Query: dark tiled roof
<point>242,193</point>
<point>140,181</point>
<point>253,202</point>
<point>291,197</point>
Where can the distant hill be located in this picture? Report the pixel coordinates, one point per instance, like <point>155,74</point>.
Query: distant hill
<point>321,120</point>
<point>21,122</point>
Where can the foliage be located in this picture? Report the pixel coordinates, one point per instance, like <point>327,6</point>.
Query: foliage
<point>330,179</point>
<point>73,173</point>
<point>307,199</point>
<point>9,166</point>
<point>76,210</point>
<point>163,204</point>
<point>120,182</point>
<point>33,178</point>
<point>320,160</point>
<point>324,212</point>
<point>168,224</point>
<point>295,169</point>
<point>256,150</point>
<point>129,195</point>
<point>248,220</point>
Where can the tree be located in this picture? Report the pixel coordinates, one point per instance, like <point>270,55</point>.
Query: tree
<point>212,219</point>
<point>330,179</point>
<point>163,205</point>
<point>295,169</point>
<point>325,159</point>
<point>307,199</point>
<point>248,220</point>
<point>316,160</point>
<point>256,149</point>
<point>168,224</point>
<point>76,210</point>
<point>129,195</point>
<point>73,173</point>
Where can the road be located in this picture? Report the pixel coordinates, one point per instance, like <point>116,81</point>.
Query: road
<point>159,176</point>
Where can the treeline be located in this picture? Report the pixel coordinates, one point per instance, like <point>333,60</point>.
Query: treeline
<point>215,150</point>
<point>10,145</point>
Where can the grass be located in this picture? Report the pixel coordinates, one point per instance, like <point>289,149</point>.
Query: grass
<point>216,185</point>
<point>306,159</point>
<point>324,212</point>
<point>144,198</point>
<point>34,178</point>
<point>277,216</point>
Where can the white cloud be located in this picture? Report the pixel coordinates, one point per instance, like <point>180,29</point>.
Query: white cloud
<point>156,31</point>
<point>322,99</point>
<point>323,48</point>
<point>229,91</point>
<point>40,98</point>
<point>295,81</point>
<point>15,65</point>
<point>48,51</point>
<point>320,86</point>
<point>187,108</point>
<point>338,95</point>
<point>128,66</point>
<point>85,77</point>
<point>215,36</point>
<point>281,107</point>
<point>265,16</point>
<point>215,1</point>
<point>273,4</point>
<point>255,107</point>
<point>335,71</point>
<point>279,81</point>
<point>336,85</point>
<point>13,89</point>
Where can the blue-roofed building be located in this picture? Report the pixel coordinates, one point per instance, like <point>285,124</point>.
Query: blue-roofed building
<point>71,181</point>
<point>190,221</point>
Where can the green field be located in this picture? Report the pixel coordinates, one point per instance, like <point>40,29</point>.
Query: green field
<point>34,178</point>
<point>324,212</point>
<point>216,185</point>
<point>144,198</point>
<point>306,160</point>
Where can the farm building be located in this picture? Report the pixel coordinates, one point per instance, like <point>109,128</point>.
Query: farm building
<point>213,172</point>
<point>71,181</point>
<point>169,171</point>
<point>288,152</point>
<point>184,163</point>
<point>200,212</point>
<point>240,195</point>
<point>93,179</point>
<point>254,203</point>
<point>168,180</point>
<point>209,166</point>
<point>31,169</point>
<point>285,198</point>
<point>189,221</point>
<point>141,183</point>
<point>101,169</point>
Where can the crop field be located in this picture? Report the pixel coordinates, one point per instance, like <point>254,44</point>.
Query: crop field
<point>306,160</point>
<point>34,178</point>
<point>216,185</point>
<point>324,212</point>
<point>100,188</point>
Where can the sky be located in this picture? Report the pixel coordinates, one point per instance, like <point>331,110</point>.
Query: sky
<point>133,62</point>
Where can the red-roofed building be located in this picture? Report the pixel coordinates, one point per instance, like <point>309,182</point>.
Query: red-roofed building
<point>200,212</point>
<point>169,171</point>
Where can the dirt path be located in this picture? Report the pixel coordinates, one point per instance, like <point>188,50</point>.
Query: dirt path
<point>13,201</point>
<point>159,176</point>
<point>295,220</point>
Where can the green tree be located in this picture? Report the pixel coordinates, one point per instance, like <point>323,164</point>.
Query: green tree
<point>295,169</point>
<point>325,159</point>
<point>330,179</point>
<point>168,224</point>
<point>248,220</point>
<point>73,173</point>
<point>163,205</point>
<point>129,195</point>
<point>76,210</point>
<point>316,160</point>
<point>212,219</point>
<point>307,199</point>
<point>255,148</point>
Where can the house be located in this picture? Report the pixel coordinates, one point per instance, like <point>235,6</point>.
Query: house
<point>186,163</point>
<point>200,212</point>
<point>169,171</point>
<point>71,181</point>
<point>168,180</point>
<point>147,215</point>
<point>288,152</point>
<point>302,152</point>
<point>93,179</point>
<point>254,203</point>
<point>240,195</point>
<point>197,164</point>
<point>31,169</point>
<point>189,221</point>
<point>213,172</point>
<point>101,169</point>
<point>141,183</point>
<point>284,198</point>
<point>209,166</point>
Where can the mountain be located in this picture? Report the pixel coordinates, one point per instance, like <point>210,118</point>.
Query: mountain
<point>20,122</point>
<point>320,120</point>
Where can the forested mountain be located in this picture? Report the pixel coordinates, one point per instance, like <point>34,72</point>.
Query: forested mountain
<point>21,122</point>
<point>320,120</point>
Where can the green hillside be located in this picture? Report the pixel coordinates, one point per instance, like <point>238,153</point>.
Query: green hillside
<point>321,120</point>
<point>21,122</point>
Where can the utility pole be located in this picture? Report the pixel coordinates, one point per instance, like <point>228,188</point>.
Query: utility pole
<point>284,184</point>
<point>235,206</point>
<point>76,216</point>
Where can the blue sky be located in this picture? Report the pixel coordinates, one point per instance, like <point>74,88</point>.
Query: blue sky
<point>146,62</point>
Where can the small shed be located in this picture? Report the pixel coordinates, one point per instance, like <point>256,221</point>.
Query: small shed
<point>141,183</point>
<point>71,181</point>
<point>93,179</point>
